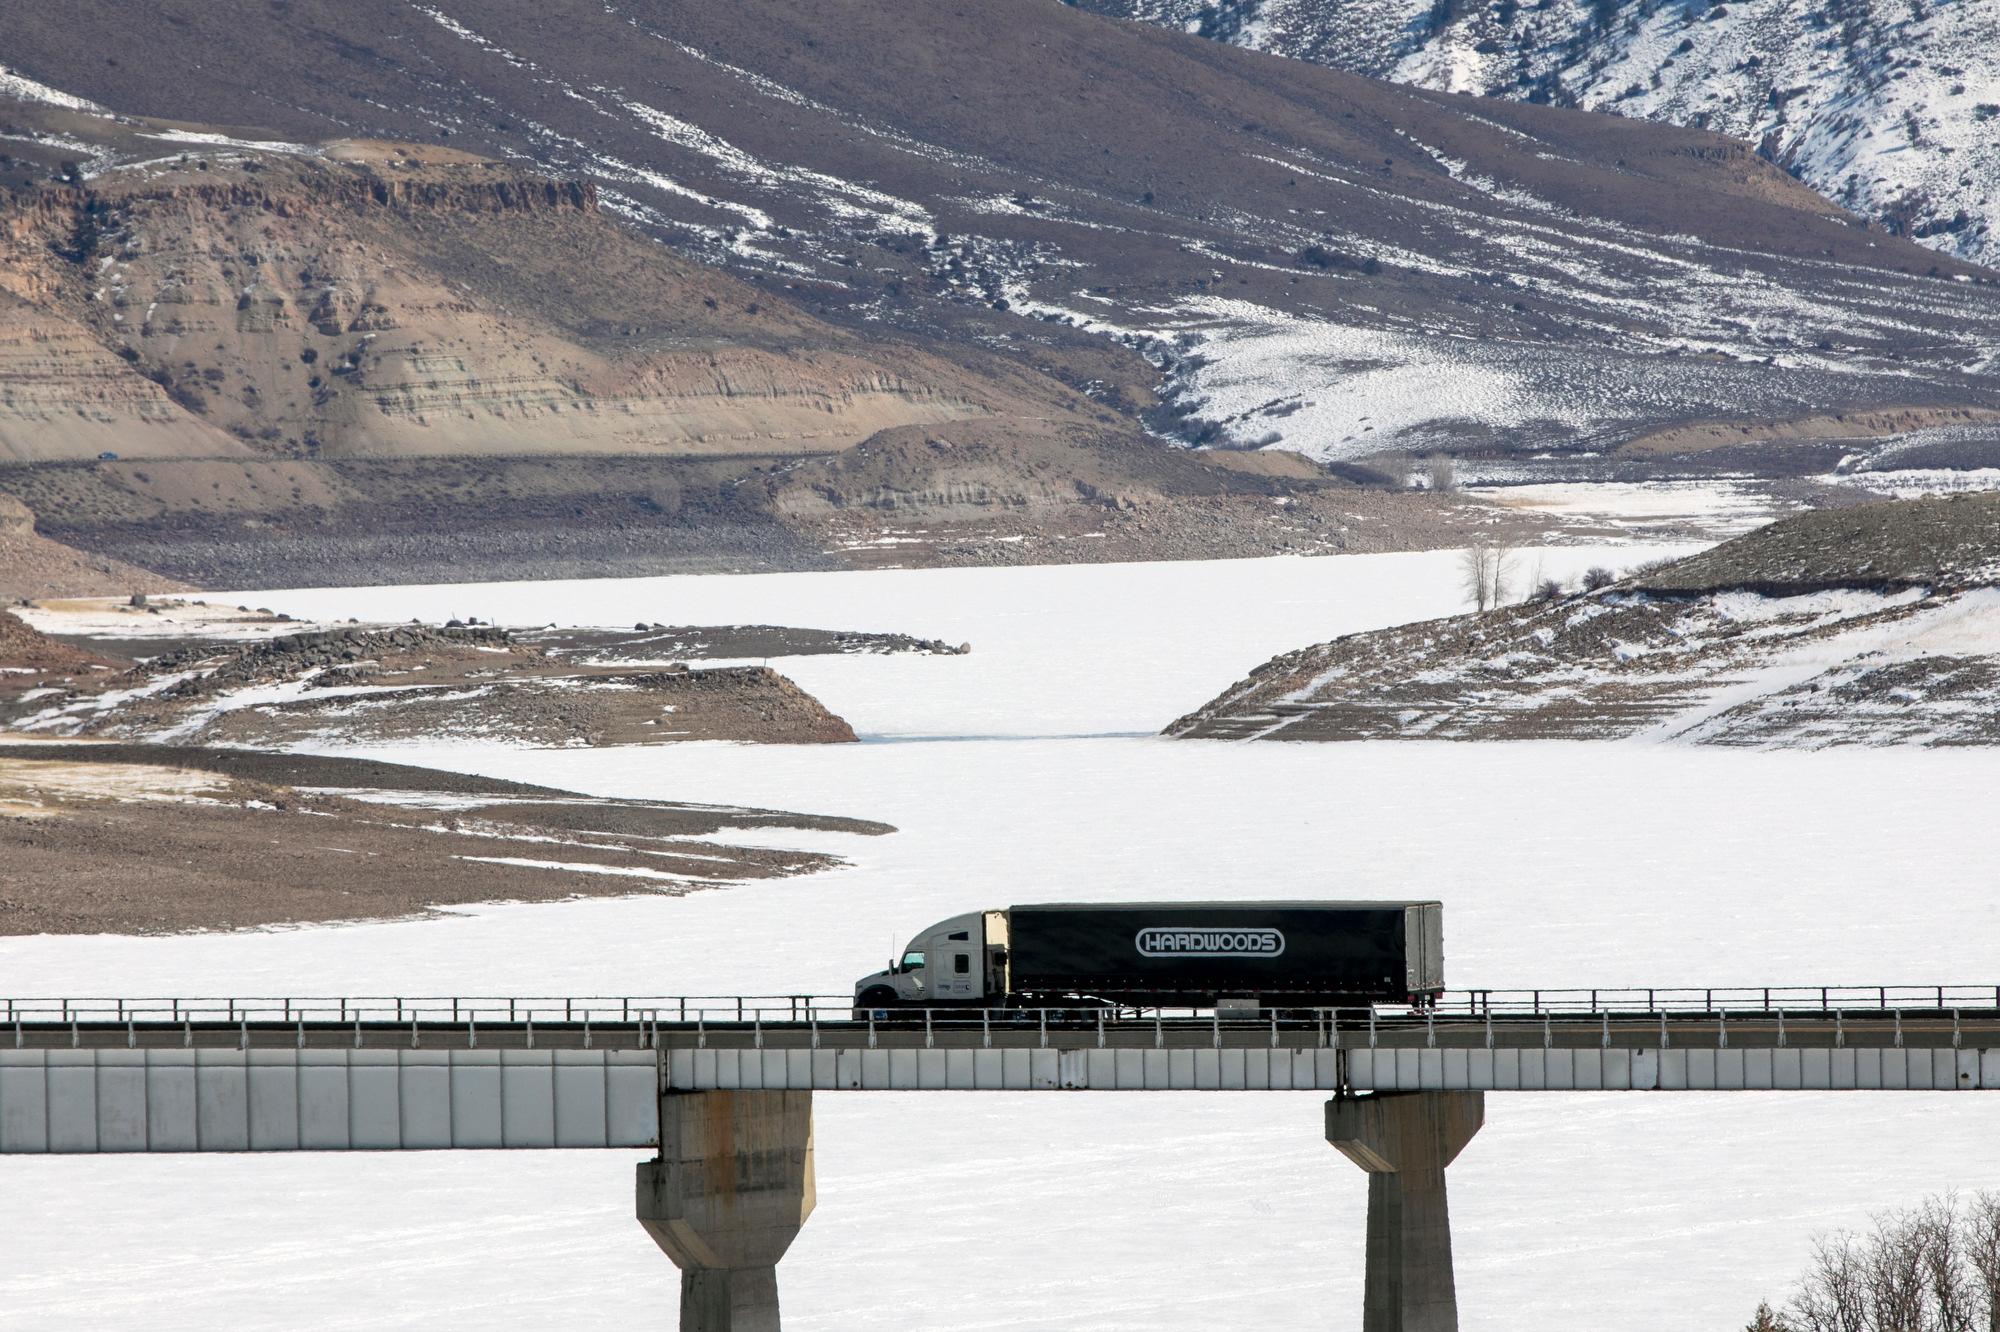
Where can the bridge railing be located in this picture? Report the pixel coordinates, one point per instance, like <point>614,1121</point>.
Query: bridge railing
<point>426,1009</point>
<point>1718,999</point>
<point>781,1010</point>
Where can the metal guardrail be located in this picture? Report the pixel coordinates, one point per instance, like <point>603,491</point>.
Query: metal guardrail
<point>780,1010</point>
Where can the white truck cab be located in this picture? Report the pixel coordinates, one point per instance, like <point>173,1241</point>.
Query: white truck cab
<point>953,962</point>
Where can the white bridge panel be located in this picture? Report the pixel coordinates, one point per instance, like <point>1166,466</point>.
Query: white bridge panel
<point>121,1092</point>
<point>181,1100</point>
<point>374,1102</point>
<point>1013,1069</point>
<point>323,1116</point>
<point>324,1100</point>
<point>170,1105</point>
<point>1722,1069</point>
<point>425,1100</point>
<point>274,1100</point>
<point>527,1101</point>
<point>71,1094</point>
<point>475,1100</point>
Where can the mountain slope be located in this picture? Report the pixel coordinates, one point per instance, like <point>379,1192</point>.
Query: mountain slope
<point>1305,257</point>
<point>366,299</point>
<point>246,361</point>
<point>1872,625</point>
<point>1891,109</point>
<point>33,566</point>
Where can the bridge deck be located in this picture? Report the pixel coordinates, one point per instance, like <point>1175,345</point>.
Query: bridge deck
<point>260,1082</point>
<point>1345,1030</point>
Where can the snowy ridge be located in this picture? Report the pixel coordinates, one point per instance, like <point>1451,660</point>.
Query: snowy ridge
<point>1368,380</point>
<point>840,201</point>
<point>1807,671</point>
<point>1892,110</point>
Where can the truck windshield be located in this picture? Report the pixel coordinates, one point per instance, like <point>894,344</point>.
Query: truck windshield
<point>912,961</point>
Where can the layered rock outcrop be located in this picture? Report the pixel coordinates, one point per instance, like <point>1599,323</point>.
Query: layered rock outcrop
<point>374,300</point>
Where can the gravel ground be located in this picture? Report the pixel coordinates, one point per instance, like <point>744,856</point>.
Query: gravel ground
<point>152,839</point>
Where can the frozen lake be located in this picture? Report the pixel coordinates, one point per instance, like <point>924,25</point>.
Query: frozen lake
<point>1028,771</point>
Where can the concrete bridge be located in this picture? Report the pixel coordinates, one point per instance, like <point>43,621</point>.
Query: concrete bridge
<point>722,1088</point>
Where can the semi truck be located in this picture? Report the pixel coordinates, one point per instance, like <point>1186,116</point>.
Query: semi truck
<point>1170,954</point>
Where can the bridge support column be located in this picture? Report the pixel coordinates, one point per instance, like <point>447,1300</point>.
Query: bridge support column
<point>1404,1140</point>
<point>732,1186</point>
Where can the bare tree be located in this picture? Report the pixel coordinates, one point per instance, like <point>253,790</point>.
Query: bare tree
<point>1487,574</point>
<point>1396,469</point>
<point>1503,573</point>
<point>1982,1253</point>
<point>1950,1284</point>
<point>1597,576</point>
<point>1833,1297</point>
<point>1443,475</point>
<point>1935,1268</point>
<point>1475,573</point>
<point>1895,1266</point>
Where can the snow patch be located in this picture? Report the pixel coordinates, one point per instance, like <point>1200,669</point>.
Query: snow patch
<point>15,84</point>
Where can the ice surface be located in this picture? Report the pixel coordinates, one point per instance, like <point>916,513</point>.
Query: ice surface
<point>1056,650</point>
<point>1561,865</point>
<point>1723,508</point>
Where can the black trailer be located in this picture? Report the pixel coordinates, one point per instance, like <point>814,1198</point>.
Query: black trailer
<point>1199,953</point>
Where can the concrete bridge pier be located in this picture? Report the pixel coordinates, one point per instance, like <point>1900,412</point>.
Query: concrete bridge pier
<point>732,1186</point>
<point>1404,1140</point>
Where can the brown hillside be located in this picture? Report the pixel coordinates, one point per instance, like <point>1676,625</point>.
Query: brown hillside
<point>32,566</point>
<point>248,364</point>
<point>373,300</point>
<point>1565,280</point>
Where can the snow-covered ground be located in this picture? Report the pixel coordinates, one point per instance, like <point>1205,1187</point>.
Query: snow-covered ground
<point>1888,108</point>
<point>1027,771</point>
<point>164,618</point>
<point>1921,482</point>
<point>1721,508</point>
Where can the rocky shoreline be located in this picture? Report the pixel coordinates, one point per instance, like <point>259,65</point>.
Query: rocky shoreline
<point>1875,625</point>
<point>388,684</point>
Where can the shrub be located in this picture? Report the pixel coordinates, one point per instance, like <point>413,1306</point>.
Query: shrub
<point>1766,1320</point>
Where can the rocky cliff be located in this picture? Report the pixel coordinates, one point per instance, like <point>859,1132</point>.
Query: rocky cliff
<point>366,299</point>
<point>247,362</point>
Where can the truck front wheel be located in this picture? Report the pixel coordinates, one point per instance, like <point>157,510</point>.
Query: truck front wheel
<point>869,1000</point>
